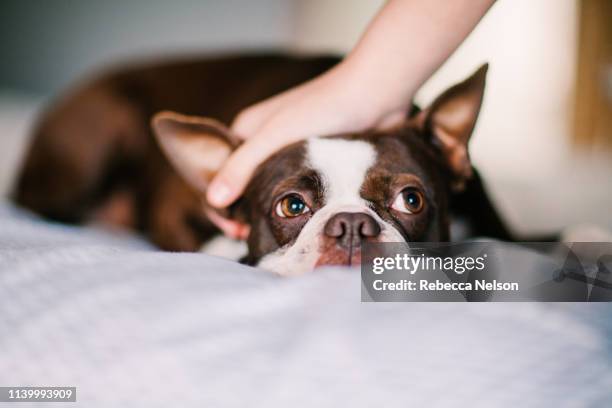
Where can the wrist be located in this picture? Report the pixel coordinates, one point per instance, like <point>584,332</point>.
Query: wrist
<point>375,92</point>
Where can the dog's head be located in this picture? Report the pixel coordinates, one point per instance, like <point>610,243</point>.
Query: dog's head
<point>314,202</point>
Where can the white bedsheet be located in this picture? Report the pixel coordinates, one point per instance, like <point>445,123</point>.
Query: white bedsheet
<point>133,327</point>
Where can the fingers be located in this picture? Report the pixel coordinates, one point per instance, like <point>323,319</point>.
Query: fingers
<point>251,120</point>
<point>231,180</point>
<point>309,109</point>
<point>230,228</point>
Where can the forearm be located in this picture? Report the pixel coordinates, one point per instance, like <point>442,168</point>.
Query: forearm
<point>405,44</point>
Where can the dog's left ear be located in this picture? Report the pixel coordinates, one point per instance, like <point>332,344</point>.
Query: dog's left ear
<point>196,146</point>
<point>450,120</point>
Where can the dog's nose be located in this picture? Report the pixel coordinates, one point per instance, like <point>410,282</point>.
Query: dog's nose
<point>349,229</point>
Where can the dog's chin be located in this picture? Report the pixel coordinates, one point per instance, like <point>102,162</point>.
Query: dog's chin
<point>339,257</point>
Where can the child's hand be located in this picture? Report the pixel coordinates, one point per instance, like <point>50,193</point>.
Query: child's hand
<point>329,104</point>
<point>373,87</point>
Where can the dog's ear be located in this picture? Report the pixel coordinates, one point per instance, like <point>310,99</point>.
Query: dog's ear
<point>450,120</point>
<point>197,147</point>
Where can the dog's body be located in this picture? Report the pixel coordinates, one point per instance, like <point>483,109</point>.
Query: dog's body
<point>94,157</point>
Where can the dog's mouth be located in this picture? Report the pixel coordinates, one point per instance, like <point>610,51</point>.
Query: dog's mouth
<point>339,256</point>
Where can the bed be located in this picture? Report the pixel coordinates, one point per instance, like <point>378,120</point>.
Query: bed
<point>130,326</point>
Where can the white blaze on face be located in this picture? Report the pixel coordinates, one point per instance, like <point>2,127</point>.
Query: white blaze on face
<point>342,166</point>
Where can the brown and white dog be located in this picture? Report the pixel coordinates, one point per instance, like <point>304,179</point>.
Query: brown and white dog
<point>312,203</point>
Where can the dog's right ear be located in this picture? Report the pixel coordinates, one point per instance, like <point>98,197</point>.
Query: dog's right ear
<point>450,120</point>
<point>196,146</point>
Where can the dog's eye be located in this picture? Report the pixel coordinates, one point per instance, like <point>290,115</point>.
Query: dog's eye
<point>291,206</point>
<point>409,200</point>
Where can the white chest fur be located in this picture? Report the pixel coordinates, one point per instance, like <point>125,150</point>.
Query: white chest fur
<point>225,247</point>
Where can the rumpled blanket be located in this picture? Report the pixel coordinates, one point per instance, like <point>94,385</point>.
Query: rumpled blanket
<point>130,326</point>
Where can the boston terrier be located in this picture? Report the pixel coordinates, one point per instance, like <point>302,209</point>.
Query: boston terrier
<point>115,151</point>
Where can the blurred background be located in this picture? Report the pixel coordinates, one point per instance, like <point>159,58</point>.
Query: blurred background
<point>543,142</point>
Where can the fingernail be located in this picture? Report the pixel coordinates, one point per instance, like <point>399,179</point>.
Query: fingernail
<point>219,193</point>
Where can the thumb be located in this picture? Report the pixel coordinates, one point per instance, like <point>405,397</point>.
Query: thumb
<point>229,183</point>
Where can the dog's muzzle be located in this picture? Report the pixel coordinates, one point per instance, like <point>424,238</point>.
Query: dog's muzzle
<point>343,235</point>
